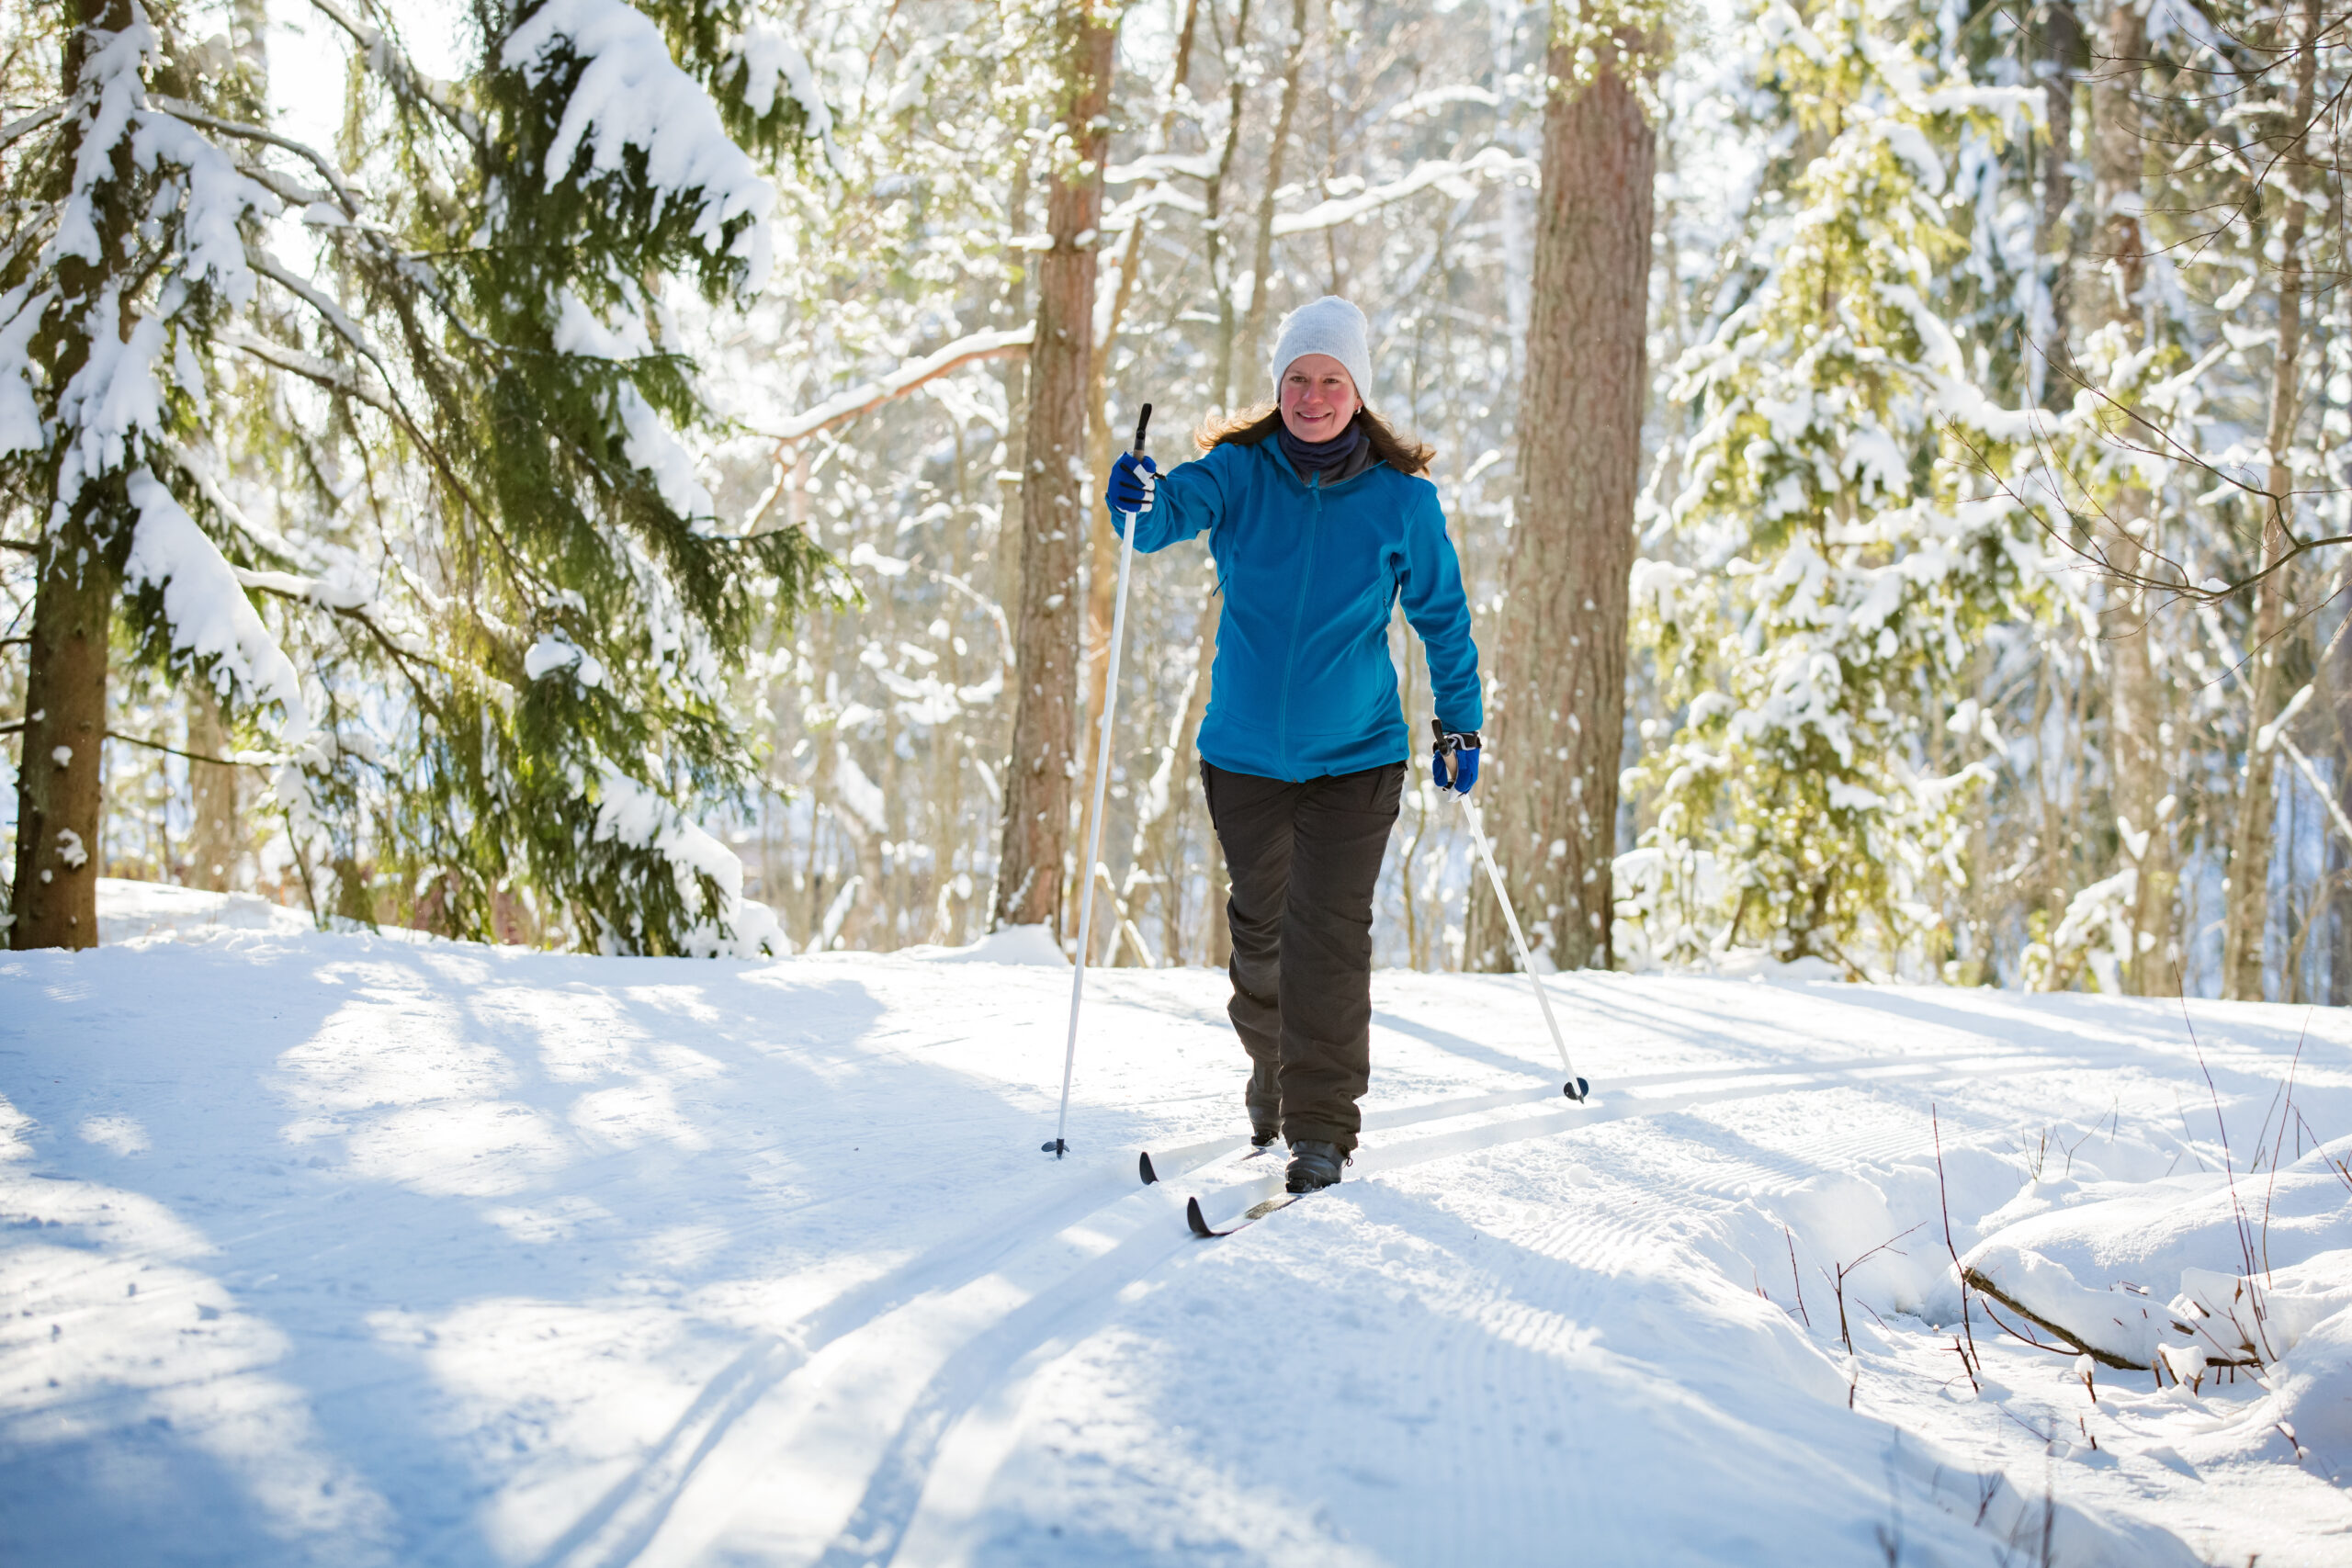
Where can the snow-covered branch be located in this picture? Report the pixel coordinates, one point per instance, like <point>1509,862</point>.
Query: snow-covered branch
<point>868,396</point>
<point>311,367</point>
<point>389,60</point>
<point>1493,163</point>
<point>189,114</point>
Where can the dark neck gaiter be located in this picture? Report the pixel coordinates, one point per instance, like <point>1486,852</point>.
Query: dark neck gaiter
<point>1311,457</point>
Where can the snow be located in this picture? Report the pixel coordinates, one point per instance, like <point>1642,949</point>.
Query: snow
<point>20,315</point>
<point>210,615</point>
<point>348,1249</point>
<point>2108,1268</point>
<point>160,911</point>
<point>772,60</point>
<point>649,443</point>
<point>1014,944</point>
<point>633,94</point>
<point>630,813</point>
<point>1491,162</point>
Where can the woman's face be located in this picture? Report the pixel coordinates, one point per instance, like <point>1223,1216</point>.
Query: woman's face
<point>1318,398</point>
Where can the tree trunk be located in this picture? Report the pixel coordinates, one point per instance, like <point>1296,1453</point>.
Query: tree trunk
<point>216,838</point>
<point>1220,265</point>
<point>1102,429</point>
<point>59,800</point>
<point>1055,499</point>
<point>2111,299</point>
<point>1558,713</point>
<point>1262,259</point>
<point>1170,793</point>
<point>2061,38</point>
<point>2247,907</point>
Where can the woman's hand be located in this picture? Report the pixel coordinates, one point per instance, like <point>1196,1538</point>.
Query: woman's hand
<point>1453,759</point>
<point>1133,478</point>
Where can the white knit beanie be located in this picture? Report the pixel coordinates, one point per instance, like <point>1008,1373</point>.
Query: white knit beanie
<point>1329,325</point>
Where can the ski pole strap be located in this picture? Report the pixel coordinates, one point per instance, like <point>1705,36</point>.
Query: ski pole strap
<point>1442,751</point>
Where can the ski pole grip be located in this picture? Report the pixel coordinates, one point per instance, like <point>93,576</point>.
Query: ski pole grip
<point>1143,422</point>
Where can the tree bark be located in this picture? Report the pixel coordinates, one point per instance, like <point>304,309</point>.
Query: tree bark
<point>2111,299</point>
<point>1220,265</point>
<point>1055,510</point>
<point>59,801</point>
<point>216,837</point>
<point>2247,907</point>
<point>1102,429</point>
<point>1558,715</point>
<point>59,797</point>
<point>2062,40</point>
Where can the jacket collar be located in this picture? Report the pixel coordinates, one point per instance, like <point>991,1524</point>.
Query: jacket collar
<point>1363,463</point>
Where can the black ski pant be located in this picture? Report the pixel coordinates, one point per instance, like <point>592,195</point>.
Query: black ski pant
<point>1304,859</point>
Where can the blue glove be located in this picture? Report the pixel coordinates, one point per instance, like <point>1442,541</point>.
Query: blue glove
<point>1453,759</point>
<point>1133,478</point>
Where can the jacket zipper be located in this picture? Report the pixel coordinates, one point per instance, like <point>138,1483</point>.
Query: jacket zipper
<point>1299,614</point>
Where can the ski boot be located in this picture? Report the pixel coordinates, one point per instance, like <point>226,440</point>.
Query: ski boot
<point>1314,1165</point>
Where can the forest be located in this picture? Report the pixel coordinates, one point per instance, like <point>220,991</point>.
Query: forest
<point>627,478</point>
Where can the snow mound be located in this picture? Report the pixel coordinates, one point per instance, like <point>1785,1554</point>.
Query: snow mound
<point>1033,945</point>
<point>158,911</point>
<point>2182,1264</point>
<point>2311,1401</point>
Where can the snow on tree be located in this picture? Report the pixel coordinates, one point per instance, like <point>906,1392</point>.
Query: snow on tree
<point>1849,559</point>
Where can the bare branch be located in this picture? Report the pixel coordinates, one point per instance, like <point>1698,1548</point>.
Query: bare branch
<point>868,396</point>
<point>258,760</point>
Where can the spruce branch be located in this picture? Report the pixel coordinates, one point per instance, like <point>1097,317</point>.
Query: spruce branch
<point>324,373</point>
<point>391,61</point>
<point>189,114</point>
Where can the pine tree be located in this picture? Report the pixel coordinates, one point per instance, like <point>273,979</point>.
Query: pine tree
<point>516,608</point>
<point>1851,555</point>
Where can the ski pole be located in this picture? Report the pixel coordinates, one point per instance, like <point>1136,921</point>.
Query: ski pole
<point>1576,1087</point>
<point>1060,1145</point>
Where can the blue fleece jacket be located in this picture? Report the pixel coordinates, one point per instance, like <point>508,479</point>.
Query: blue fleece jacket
<point>1303,686</point>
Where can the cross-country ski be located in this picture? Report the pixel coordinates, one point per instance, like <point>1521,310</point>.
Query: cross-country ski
<point>1249,1215</point>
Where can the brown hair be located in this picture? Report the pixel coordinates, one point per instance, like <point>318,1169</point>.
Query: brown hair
<point>1251,427</point>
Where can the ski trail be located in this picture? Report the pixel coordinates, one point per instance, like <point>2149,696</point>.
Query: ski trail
<point>794,1469</point>
<point>1597,1110</point>
<point>953,1444</point>
<point>624,1522</point>
<point>961,1428</point>
<point>626,1516</point>
<point>1008,1316</point>
<point>998,1361</point>
<point>1170,1164</point>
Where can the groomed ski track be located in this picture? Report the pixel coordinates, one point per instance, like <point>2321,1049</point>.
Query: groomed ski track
<point>863,1320</point>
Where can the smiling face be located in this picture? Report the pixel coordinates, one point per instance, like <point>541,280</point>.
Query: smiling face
<point>1318,398</point>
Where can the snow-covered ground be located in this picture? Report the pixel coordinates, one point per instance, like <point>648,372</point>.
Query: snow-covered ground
<point>348,1250</point>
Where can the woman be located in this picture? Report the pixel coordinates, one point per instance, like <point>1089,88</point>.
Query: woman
<point>1319,523</point>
